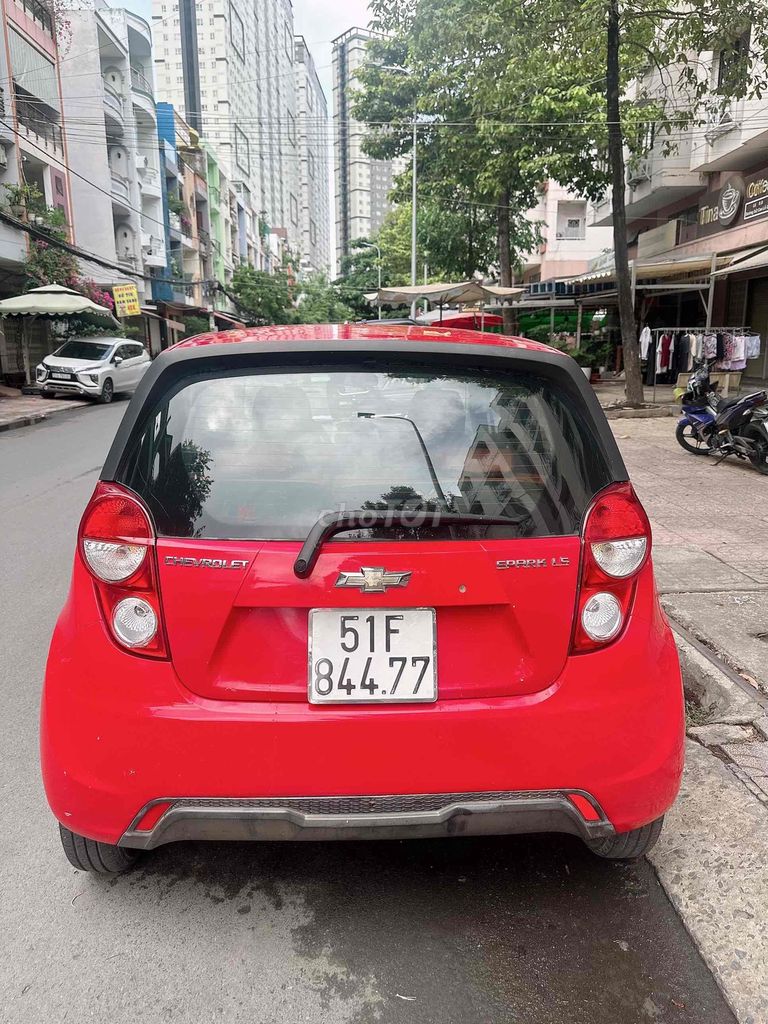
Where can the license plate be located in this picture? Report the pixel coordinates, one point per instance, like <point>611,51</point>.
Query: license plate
<point>62,376</point>
<point>367,655</point>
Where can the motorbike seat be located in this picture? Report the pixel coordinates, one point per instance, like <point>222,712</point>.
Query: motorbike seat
<point>727,403</point>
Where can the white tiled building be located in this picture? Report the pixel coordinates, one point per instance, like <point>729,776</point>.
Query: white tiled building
<point>569,238</point>
<point>315,212</point>
<point>227,67</point>
<point>362,184</point>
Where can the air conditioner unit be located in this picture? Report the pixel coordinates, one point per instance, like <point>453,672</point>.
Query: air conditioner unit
<point>639,173</point>
<point>3,158</point>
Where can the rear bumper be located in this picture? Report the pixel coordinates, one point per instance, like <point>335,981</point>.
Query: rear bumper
<point>393,817</point>
<point>120,733</point>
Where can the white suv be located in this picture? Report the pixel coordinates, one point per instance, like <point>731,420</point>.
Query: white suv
<point>95,367</point>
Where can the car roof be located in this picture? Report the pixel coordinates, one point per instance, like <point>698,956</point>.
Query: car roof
<point>100,339</point>
<point>359,332</point>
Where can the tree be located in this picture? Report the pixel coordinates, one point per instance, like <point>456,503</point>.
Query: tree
<point>524,90</point>
<point>456,54</point>
<point>319,302</point>
<point>265,298</point>
<point>359,274</point>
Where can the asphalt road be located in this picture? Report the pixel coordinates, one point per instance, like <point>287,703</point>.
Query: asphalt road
<point>526,930</point>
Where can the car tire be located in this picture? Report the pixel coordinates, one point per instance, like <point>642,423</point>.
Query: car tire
<point>90,855</point>
<point>107,392</point>
<point>628,845</point>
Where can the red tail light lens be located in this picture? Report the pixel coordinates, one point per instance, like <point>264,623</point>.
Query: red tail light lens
<point>117,544</point>
<point>616,546</point>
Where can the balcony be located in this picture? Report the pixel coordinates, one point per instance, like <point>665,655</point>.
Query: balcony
<point>734,138</point>
<point>40,130</point>
<point>114,115</point>
<point>149,182</point>
<point>39,13</point>
<point>121,191</point>
<point>653,182</point>
<point>141,83</point>
<point>175,222</point>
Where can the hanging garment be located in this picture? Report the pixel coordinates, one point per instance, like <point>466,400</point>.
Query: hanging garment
<point>698,347</point>
<point>691,339</point>
<point>682,354</point>
<point>645,342</point>
<point>752,345</point>
<point>650,369</point>
<point>738,352</point>
<point>666,351</point>
<point>720,347</point>
<point>709,346</point>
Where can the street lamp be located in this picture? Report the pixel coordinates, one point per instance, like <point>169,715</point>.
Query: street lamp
<point>425,451</point>
<point>399,69</point>
<point>372,245</point>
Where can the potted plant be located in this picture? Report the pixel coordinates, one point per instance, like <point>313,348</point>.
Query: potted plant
<point>21,197</point>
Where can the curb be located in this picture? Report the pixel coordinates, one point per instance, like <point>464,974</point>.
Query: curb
<point>35,417</point>
<point>641,414</point>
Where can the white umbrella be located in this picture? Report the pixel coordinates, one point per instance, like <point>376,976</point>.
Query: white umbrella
<point>52,300</point>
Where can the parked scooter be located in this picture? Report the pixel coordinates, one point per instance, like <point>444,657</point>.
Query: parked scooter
<point>711,425</point>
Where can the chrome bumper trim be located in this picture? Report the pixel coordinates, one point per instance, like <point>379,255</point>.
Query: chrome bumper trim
<point>416,816</point>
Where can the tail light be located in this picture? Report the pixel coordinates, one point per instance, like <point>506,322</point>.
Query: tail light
<point>616,545</point>
<point>116,541</point>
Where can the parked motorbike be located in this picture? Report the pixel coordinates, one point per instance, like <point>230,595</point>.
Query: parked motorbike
<point>711,425</point>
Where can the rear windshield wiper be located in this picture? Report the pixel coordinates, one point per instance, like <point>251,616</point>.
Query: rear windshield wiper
<point>337,522</point>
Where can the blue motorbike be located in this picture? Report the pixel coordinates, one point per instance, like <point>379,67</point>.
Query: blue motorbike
<point>711,425</point>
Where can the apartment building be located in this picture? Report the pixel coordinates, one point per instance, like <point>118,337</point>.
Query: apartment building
<point>705,203</point>
<point>362,184</point>
<point>33,150</point>
<point>227,67</point>
<point>314,199</point>
<point>112,148</point>
<point>569,239</point>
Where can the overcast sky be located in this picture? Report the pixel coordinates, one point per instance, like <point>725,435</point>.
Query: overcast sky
<point>319,21</point>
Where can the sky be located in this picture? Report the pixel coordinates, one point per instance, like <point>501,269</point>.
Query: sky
<point>319,21</point>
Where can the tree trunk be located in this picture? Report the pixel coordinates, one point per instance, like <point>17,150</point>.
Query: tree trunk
<point>634,381</point>
<point>505,260</point>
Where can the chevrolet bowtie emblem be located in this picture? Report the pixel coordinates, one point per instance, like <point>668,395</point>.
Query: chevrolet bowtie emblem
<point>373,580</point>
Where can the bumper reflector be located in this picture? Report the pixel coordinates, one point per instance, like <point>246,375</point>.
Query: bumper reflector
<point>153,814</point>
<point>583,806</point>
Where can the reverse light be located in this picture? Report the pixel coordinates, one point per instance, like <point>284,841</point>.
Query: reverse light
<point>117,546</point>
<point>616,545</point>
<point>134,621</point>
<point>113,562</point>
<point>620,558</point>
<point>601,617</point>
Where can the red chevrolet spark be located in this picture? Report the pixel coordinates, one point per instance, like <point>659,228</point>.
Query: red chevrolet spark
<point>359,582</point>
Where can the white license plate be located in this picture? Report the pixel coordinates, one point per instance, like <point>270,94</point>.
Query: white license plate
<point>372,655</point>
<point>61,376</point>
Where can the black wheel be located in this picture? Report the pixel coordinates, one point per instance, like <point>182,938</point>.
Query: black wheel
<point>760,458</point>
<point>89,855</point>
<point>628,845</point>
<point>688,438</point>
<point>107,392</point>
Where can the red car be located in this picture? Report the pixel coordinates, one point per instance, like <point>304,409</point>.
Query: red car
<point>361,582</point>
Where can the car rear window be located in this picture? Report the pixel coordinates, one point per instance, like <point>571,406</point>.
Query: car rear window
<point>263,455</point>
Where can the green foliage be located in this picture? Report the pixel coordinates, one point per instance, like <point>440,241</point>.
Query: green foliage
<point>176,205</point>
<point>319,302</point>
<point>47,264</point>
<point>265,298</point>
<point>195,325</point>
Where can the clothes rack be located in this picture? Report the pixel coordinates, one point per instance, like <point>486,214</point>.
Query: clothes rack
<point>658,332</point>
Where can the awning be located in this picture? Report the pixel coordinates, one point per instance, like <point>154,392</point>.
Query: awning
<point>461,292</point>
<point>647,270</point>
<point>164,319</point>
<point>228,319</point>
<point>752,259</point>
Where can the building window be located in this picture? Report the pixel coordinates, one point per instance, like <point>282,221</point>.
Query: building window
<point>310,163</point>
<point>291,128</point>
<point>288,42</point>
<point>242,150</point>
<point>312,233</point>
<point>294,209</point>
<point>237,32</point>
<point>571,220</point>
<point>732,63</point>
<point>310,97</point>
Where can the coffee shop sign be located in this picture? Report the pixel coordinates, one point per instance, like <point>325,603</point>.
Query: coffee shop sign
<point>739,200</point>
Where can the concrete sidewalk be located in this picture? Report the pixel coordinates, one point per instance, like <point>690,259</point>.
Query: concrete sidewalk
<point>710,527</point>
<point>17,410</point>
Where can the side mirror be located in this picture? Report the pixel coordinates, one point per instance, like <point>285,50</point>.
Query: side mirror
<point>117,360</point>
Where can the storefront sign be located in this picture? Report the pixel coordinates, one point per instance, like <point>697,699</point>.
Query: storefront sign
<point>126,298</point>
<point>739,201</point>
<point>656,240</point>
